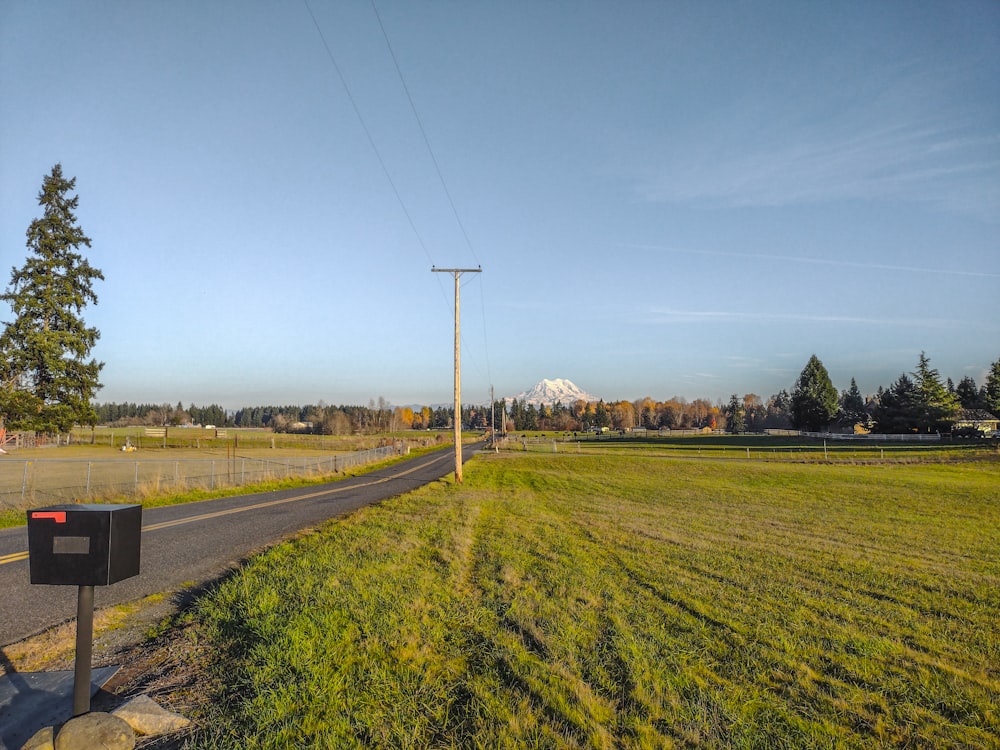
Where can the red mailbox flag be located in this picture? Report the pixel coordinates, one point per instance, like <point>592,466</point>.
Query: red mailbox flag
<point>57,516</point>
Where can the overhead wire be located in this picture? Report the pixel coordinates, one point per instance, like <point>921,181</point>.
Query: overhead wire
<point>437,168</point>
<point>368,134</point>
<point>385,169</point>
<point>423,133</point>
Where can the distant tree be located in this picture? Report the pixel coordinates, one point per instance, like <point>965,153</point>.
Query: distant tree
<point>46,379</point>
<point>405,416</point>
<point>602,417</point>
<point>897,408</point>
<point>754,413</point>
<point>814,399</point>
<point>543,414</point>
<point>669,415</point>
<point>990,395</point>
<point>778,414</point>
<point>622,415</point>
<point>645,409</point>
<point>852,408</point>
<point>179,416</point>
<point>936,409</point>
<point>734,415</point>
<point>336,422</point>
<point>967,393</point>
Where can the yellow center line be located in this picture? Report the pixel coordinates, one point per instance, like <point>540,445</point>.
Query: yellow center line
<point>17,556</point>
<point>283,501</point>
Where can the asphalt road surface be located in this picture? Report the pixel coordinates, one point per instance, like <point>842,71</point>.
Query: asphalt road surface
<point>198,542</point>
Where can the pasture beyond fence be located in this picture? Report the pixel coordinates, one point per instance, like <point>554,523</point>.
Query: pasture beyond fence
<point>785,446</point>
<point>37,482</point>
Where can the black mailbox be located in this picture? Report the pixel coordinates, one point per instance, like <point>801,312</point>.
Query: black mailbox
<point>84,545</point>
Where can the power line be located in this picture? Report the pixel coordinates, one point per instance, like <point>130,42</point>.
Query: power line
<point>385,169</point>
<point>437,168</point>
<point>423,133</point>
<point>364,127</point>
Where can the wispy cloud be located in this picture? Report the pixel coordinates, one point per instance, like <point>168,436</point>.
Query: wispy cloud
<point>818,261</point>
<point>668,315</point>
<point>942,164</point>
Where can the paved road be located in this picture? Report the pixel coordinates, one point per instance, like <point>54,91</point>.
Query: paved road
<point>197,542</point>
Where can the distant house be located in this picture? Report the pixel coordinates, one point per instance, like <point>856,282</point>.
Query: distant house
<point>976,419</point>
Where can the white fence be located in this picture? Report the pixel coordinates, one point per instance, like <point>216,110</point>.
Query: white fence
<point>37,482</point>
<point>881,437</point>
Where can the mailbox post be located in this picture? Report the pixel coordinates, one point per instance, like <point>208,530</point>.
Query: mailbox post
<point>84,546</point>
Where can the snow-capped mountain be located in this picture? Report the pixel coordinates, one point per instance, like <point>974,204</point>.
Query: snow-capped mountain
<point>548,392</point>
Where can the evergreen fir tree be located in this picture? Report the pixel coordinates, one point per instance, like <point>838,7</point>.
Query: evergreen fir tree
<point>968,393</point>
<point>735,415</point>
<point>898,407</point>
<point>814,399</point>
<point>936,408</point>
<point>46,380</point>
<point>852,407</point>
<point>990,395</point>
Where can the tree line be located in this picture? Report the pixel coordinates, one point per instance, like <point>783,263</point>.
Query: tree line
<point>916,402</point>
<point>319,419</point>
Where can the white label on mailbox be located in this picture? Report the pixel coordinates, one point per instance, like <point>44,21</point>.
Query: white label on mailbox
<point>71,545</point>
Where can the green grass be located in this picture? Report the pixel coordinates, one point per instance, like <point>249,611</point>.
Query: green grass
<point>625,601</point>
<point>761,447</point>
<point>244,438</point>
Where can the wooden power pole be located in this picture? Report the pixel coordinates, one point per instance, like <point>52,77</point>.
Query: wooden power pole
<point>457,272</point>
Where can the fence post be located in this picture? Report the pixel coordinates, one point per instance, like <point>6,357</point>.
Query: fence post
<point>213,475</point>
<point>24,480</point>
<point>89,465</point>
<point>135,490</point>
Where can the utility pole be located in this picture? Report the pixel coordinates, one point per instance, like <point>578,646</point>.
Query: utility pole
<point>457,272</point>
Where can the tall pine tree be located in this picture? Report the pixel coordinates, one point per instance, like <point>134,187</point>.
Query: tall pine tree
<point>735,415</point>
<point>46,380</point>
<point>852,408</point>
<point>967,393</point>
<point>937,409</point>
<point>898,406</point>
<point>815,401</point>
<point>990,394</point>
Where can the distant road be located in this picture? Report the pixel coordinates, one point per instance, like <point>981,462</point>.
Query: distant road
<point>197,542</point>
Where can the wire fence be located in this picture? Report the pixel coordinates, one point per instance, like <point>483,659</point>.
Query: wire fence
<point>33,483</point>
<point>788,446</point>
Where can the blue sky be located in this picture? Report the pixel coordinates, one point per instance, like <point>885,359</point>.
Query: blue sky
<point>665,198</point>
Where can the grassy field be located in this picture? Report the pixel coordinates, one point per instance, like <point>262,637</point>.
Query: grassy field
<point>603,601</point>
<point>195,469</point>
<point>761,447</point>
<point>242,438</point>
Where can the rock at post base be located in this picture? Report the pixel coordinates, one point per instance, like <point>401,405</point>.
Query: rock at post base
<point>146,716</point>
<point>95,730</point>
<point>41,740</point>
